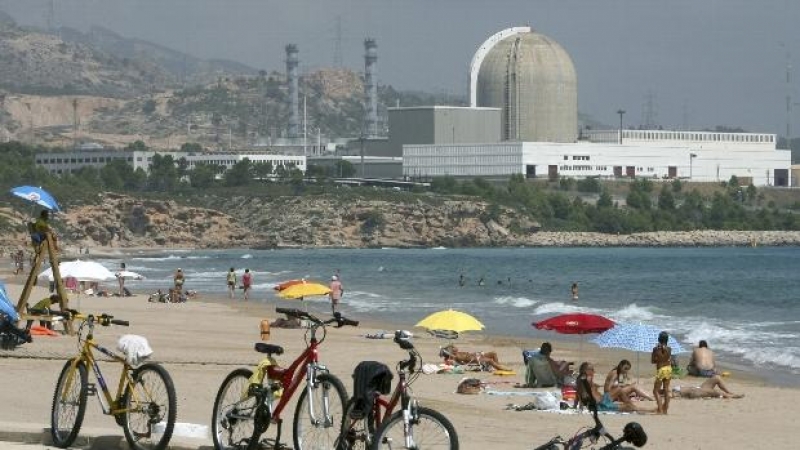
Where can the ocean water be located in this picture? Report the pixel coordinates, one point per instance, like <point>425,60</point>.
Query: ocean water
<point>743,301</point>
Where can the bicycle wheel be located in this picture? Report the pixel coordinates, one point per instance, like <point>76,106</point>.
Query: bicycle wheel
<point>69,404</point>
<point>232,419</point>
<point>357,429</point>
<point>318,432</point>
<point>428,429</point>
<point>150,407</point>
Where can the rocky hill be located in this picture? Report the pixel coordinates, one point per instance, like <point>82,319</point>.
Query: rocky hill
<point>287,222</point>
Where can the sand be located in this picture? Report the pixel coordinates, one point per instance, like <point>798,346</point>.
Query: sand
<point>201,341</point>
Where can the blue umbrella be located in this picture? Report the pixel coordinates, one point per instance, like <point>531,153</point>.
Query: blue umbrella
<point>6,306</point>
<point>36,195</point>
<point>637,337</point>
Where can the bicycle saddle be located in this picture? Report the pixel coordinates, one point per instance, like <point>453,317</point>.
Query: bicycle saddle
<point>269,349</point>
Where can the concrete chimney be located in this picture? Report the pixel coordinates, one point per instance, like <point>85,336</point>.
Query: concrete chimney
<point>291,76</point>
<point>371,87</point>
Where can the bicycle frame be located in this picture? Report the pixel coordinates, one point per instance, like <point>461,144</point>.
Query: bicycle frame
<point>111,405</point>
<point>291,377</point>
<point>380,402</point>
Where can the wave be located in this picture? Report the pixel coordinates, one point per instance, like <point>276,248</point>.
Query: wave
<point>247,256</point>
<point>632,313</point>
<point>517,302</point>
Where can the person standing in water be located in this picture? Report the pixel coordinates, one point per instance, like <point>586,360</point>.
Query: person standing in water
<point>336,292</point>
<point>574,291</point>
<point>231,279</point>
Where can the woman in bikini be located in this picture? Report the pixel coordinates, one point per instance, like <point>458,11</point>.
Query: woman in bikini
<point>619,385</point>
<point>452,355</point>
<point>662,358</point>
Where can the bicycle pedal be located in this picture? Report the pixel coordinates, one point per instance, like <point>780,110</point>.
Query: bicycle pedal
<point>91,389</point>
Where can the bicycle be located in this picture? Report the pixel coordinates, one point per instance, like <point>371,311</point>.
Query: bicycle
<point>632,432</point>
<point>145,404</point>
<point>370,420</point>
<point>248,401</point>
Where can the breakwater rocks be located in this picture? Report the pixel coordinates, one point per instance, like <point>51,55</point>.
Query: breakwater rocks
<point>698,238</point>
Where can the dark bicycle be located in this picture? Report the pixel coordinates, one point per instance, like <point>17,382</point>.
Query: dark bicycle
<point>598,435</point>
<point>371,420</point>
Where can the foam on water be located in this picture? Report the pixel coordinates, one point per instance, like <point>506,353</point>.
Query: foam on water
<point>632,313</point>
<point>516,302</point>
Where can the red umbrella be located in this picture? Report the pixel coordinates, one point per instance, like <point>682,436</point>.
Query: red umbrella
<point>577,323</point>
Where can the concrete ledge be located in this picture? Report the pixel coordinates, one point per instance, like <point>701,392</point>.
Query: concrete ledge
<point>88,438</point>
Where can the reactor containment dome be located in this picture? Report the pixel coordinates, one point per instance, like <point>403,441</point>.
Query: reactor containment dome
<point>532,79</point>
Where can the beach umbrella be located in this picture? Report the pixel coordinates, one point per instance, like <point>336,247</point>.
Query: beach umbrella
<point>450,320</point>
<point>637,337</point>
<point>81,271</point>
<point>304,290</point>
<point>576,323</point>
<point>36,195</point>
<point>7,306</point>
<point>288,283</point>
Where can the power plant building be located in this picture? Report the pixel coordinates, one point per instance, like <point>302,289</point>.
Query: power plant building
<point>530,80</point>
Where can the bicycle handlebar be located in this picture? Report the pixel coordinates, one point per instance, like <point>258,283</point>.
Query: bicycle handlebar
<point>338,319</point>
<point>103,319</point>
<point>402,339</point>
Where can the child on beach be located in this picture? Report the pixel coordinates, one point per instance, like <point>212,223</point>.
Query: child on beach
<point>662,358</point>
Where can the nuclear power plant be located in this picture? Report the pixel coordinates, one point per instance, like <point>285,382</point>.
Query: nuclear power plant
<point>531,78</point>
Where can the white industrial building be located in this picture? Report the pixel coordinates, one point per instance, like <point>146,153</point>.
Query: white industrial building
<point>71,161</point>
<point>655,154</point>
<point>529,80</point>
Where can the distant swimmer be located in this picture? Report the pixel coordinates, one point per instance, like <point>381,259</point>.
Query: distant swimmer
<point>481,282</point>
<point>461,280</point>
<point>574,291</point>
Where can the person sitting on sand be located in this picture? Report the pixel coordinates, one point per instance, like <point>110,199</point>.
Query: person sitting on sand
<point>619,385</point>
<point>604,402</point>
<point>453,356</point>
<point>560,368</point>
<point>702,362</point>
<point>705,390</point>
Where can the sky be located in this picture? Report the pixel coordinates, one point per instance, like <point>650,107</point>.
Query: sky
<point>681,64</point>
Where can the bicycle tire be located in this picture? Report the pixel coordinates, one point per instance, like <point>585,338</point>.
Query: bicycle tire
<point>323,430</point>
<point>430,429</point>
<point>232,418</point>
<point>65,419</point>
<point>356,432</point>
<point>151,407</point>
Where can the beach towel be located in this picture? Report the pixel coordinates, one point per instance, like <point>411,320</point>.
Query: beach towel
<point>38,330</point>
<point>135,348</point>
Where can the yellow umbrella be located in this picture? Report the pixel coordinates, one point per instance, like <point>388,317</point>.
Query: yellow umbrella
<point>451,320</point>
<point>304,290</point>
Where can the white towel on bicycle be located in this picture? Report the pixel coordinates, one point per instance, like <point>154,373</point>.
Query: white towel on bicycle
<point>135,348</point>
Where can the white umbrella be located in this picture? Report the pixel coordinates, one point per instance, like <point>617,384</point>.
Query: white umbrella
<point>81,271</point>
<point>128,274</point>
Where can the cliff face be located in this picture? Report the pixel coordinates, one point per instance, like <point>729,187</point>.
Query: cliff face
<point>122,221</point>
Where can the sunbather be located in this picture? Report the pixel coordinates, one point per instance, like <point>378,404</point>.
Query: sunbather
<point>453,356</point>
<point>604,401</point>
<point>705,390</point>
<point>620,386</point>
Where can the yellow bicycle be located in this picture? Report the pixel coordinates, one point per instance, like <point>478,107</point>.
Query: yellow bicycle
<point>145,405</point>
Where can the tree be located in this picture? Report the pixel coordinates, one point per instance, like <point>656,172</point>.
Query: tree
<point>241,174</point>
<point>343,169</point>
<point>191,147</point>
<point>262,170</point>
<point>605,200</point>
<point>202,176</point>
<point>163,173</point>
<point>666,201</point>
<point>136,146</point>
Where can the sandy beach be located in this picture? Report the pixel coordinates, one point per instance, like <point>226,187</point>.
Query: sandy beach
<point>201,341</point>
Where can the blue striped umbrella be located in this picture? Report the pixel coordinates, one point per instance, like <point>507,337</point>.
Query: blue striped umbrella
<point>637,337</point>
<point>36,195</point>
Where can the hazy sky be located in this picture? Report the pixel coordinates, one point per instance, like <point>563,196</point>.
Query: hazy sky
<point>700,62</point>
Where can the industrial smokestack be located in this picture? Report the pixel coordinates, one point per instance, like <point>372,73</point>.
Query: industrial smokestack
<point>291,76</point>
<point>371,87</point>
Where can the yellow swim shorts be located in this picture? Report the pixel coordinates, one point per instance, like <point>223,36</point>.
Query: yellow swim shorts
<point>664,373</point>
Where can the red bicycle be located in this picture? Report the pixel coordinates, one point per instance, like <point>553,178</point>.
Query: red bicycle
<point>371,421</point>
<point>249,401</point>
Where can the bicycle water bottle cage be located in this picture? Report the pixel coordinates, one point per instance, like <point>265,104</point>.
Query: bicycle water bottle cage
<point>269,349</point>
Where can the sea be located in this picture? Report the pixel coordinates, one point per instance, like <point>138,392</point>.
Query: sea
<point>743,301</point>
